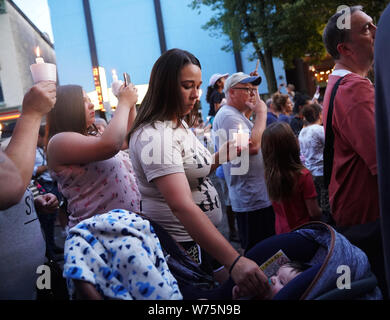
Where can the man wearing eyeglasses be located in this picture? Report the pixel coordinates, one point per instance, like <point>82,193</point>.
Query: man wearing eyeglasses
<point>349,38</point>
<point>247,189</point>
<point>353,188</point>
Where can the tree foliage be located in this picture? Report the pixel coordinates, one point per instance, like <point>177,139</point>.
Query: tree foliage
<point>287,29</point>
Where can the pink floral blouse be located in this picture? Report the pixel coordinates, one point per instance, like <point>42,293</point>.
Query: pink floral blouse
<point>99,187</point>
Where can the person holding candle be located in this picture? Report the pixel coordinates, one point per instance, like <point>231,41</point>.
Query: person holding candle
<point>116,83</point>
<point>92,172</point>
<point>245,179</point>
<point>22,247</point>
<point>172,167</point>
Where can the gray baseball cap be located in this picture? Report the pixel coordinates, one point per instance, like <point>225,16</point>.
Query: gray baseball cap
<point>241,77</point>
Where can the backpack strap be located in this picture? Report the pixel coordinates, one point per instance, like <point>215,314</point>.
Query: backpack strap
<point>329,137</point>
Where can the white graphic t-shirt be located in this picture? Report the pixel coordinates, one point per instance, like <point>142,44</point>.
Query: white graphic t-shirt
<point>312,142</point>
<point>162,150</point>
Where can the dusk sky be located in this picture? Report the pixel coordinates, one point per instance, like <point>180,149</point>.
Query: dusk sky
<point>38,12</point>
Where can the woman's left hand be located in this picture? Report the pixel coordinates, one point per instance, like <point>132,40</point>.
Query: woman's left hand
<point>251,281</point>
<point>115,86</point>
<point>229,151</point>
<point>128,95</point>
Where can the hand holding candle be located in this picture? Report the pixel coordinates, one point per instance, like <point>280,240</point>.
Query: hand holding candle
<point>42,71</point>
<point>241,137</point>
<point>116,84</point>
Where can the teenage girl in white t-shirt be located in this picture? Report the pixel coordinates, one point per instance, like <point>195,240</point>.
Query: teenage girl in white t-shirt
<point>173,91</point>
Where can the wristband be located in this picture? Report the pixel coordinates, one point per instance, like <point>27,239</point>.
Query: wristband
<point>234,263</point>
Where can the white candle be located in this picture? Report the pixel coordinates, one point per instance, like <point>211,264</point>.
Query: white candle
<point>42,71</point>
<point>241,137</point>
<point>116,84</point>
<point>114,75</point>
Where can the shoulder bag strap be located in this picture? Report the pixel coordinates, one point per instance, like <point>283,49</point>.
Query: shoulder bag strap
<point>329,137</point>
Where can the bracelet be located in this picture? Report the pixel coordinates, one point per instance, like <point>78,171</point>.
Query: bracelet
<point>234,263</point>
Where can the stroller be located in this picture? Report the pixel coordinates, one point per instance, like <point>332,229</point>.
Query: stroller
<point>315,243</point>
<point>339,270</point>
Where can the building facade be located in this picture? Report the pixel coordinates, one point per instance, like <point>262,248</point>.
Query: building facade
<point>130,35</point>
<point>18,37</point>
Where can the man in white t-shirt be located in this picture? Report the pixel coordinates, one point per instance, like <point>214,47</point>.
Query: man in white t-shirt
<point>245,176</point>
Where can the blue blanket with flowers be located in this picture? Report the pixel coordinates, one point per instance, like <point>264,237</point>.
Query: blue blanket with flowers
<point>119,253</point>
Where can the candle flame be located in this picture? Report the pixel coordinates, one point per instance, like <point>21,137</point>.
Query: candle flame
<point>239,128</point>
<point>113,72</point>
<point>38,52</point>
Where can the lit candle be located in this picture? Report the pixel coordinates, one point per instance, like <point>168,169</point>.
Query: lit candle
<point>116,84</point>
<point>42,71</point>
<point>241,137</point>
<point>114,75</point>
<point>38,59</point>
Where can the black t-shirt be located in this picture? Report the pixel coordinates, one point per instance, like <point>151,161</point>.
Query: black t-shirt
<point>215,97</point>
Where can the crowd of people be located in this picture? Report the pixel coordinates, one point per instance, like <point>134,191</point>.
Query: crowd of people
<point>145,179</point>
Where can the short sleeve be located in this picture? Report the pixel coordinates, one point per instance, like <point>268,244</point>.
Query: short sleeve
<point>37,163</point>
<point>231,124</point>
<point>358,126</point>
<point>35,171</point>
<point>216,97</point>
<point>158,152</point>
<point>320,135</point>
<point>307,185</point>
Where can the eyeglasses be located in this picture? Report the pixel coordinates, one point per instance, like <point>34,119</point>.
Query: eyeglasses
<point>248,90</point>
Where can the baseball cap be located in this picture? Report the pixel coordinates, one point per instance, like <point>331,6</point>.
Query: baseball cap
<point>215,77</point>
<point>241,77</point>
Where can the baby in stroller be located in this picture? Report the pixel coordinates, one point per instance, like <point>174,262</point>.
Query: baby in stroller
<point>282,277</point>
<point>318,246</point>
<point>327,253</point>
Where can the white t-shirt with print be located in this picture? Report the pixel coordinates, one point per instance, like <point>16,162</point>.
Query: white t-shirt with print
<point>245,175</point>
<point>312,142</point>
<point>161,150</point>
